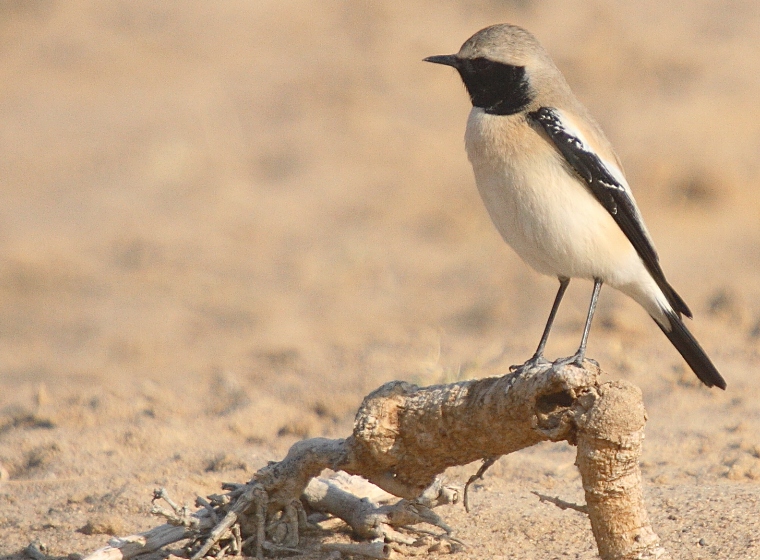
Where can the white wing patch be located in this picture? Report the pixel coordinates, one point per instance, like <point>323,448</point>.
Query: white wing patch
<point>580,141</point>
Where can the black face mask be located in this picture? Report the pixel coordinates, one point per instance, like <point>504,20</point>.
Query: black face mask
<point>497,88</point>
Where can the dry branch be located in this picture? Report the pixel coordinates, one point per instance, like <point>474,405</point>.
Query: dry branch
<point>405,437</point>
<point>610,433</point>
<point>134,545</point>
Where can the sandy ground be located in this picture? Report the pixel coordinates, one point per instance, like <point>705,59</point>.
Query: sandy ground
<point>222,224</point>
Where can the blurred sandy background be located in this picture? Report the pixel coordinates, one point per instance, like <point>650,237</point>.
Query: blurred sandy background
<point>222,224</point>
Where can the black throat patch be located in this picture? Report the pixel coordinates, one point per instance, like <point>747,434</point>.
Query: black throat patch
<point>497,88</point>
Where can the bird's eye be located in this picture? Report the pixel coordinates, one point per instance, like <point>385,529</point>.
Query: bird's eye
<point>481,64</point>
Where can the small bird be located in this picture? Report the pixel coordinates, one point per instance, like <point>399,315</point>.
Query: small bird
<point>555,189</point>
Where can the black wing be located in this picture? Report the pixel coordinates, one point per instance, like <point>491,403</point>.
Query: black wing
<point>610,193</point>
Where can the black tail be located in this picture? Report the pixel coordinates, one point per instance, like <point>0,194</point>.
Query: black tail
<point>692,352</point>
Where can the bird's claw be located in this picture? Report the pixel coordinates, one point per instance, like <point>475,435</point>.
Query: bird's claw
<point>535,361</point>
<point>576,359</point>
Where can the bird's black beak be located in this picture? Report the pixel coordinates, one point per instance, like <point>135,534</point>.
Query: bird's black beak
<point>447,59</point>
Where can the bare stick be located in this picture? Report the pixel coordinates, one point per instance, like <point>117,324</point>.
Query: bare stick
<point>243,502</point>
<point>260,500</point>
<point>134,545</point>
<point>487,463</point>
<point>367,519</point>
<point>561,504</point>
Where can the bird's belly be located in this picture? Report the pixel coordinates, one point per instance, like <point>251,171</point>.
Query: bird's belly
<point>553,222</point>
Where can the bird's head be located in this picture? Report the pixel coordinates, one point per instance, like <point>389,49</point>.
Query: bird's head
<point>500,66</point>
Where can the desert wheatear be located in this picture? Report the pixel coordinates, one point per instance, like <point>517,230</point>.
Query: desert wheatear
<point>554,187</point>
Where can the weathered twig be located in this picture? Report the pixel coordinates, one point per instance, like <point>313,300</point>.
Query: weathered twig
<point>368,519</point>
<point>487,464</point>
<point>134,545</point>
<point>241,504</point>
<point>561,504</point>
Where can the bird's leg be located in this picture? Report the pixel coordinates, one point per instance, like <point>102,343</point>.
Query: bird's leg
<point>563,284</point>
<point>539,355</point>
<point>577,358</point>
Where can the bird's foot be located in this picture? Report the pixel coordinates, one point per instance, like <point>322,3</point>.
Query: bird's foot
<point>537,360</point>
<point>574,360</point>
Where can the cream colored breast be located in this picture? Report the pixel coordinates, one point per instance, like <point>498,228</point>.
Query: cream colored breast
<point>545,213</point>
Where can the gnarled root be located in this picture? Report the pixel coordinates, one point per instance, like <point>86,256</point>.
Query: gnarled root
<point>405,437</point>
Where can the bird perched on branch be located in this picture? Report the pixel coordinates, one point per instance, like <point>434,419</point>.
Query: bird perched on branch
<point>554,187</point>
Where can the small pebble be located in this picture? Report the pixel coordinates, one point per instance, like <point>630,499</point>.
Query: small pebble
<point>36,550</point>
<point>702,542</point>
